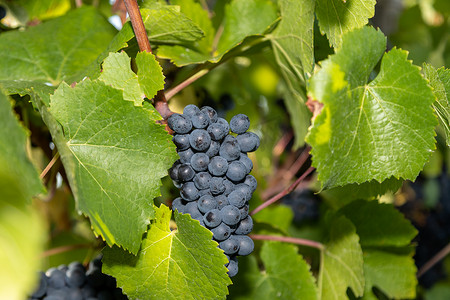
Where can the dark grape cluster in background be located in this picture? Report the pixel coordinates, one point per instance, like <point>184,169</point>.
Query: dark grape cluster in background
<point>75,282</point>
<point>213,176</point>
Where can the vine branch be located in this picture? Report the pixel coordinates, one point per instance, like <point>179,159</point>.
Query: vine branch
<point>49,166</point>
<point>283,193</point>
<point>434,260</point>
<point>160,101</point>
<point>286,239</point>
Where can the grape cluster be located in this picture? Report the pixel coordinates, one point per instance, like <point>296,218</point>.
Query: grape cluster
<point>213,176</point>
<point>74,282</point>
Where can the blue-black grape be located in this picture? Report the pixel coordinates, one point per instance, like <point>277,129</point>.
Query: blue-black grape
<point>186,155</point>
<point>181,141</point>
<point>75,277</point>
<point>230,245</point>
<point>244,189</point>
<point>246,161</point>
<point>216,185</point>
<point>185,173</point>
<point>221,232</point>
<point>213,149</point>
<point>230,215</point>
<point>218,166</point>
<point>199,162</point>
<point>244,211</point>
<point>245,226</point>
<point>201,180</point>
<point>217,131</point>
<point>236,171</point>
<point>246,245</point>
<point>212,218</point>
<point>250,180</point>
<point>230,149</point>
<point>192,209</point>
<point>200,139</point>
<point>233,267</point>
<point>239,123</point>
<point>222,201</point>
<point>211,113</point>
<point>56,278</point>
<point>190,110</point>
<point>179,123</point>
<point>248,142</point>
<point>207,203</point>
<point>236,198</point>
<point>200,120</point>
<point>178,205</point>
<point>42,288</point>
<point>189,192</point>
<point>229,187</point>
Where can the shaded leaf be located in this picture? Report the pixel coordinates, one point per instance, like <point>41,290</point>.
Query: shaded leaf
<point>359,119</point>
<point>336,17</point>
<point>114,155</point>
<point>286,275</point>
<point>182,263</point>
<point>342,262</point>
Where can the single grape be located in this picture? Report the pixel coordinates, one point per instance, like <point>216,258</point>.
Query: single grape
<point>74,294</point>
<point>230,215</point>
<point>42,288</point>
<point>189,192</point>
<point>173,171</point>
<point>230,245</point>
<point>192,209</point>
<point>244,189</point>
<point>75,277</point>
<point>178,204</point>
<point>250,180</point>
<point>239,123</point>
<point>229,187</point>
<point>217,131</point>
<point>233,268</point>
<point>230,149</point>
<point>218,166</point>
<point>236,171</point>
<point>185,155</point>
<point>221,232</point>
<point>200,139</point>
<point>245,226</point>
<point>56,278</point>
<point>211,113</point>
<point>244,211</point>
<point>213,149</point>
<point>204,192</point>
<point>199,120</point>
<point>248,142</point>
<point>201,180</point>
<point>236,198</point>
<point>222,201</point>
<point>245,243</point>
<point>190,110</point>
<point>212,218</point>
<point>185,173</point>
<point>179,123</point>
<point>207,203</point>
<point>246,161</point>
<point>181,141</point>
<point>216,185</point>
<point>199,162</point>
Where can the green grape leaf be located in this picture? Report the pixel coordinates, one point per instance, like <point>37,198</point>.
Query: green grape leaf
<point>336,17</point>
<point>167,24</point>
<point>183,263</point>
<point>379,224</point>
<point>342,195</point>
<point>114,154</point>
<point>57,50</point>
<point>439,291</point>
<point>394,274</point>
<point>384,234</point>
<point>118,74</point>
<point>13,141</point>
<point>286,275</point>
<point>243,18</point>
<point>22,236</point>
<point>342,262</point>
<point>292,43</point>
<point>370,130</point>
<point>440,82</point>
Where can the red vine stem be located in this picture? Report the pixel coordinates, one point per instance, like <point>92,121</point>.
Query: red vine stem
<point>160,100</point>
<point>49,166</point>
<point>283,193</point>
<point>175,90</point>
<point>285,239</point>
<point>434,260</point>
<point>63,249</point>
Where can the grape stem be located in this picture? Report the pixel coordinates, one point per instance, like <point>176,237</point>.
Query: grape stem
<point>285,239</point>
<point>63,249</point>
<point>172,92</point>
<point>434,260</point>
<point>49,166</point>
<point>160,101</point>
<point>284,192</point>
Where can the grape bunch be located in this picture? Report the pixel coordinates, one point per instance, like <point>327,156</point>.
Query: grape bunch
<point>74,282</point>
<point>213,176</point>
